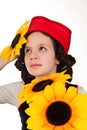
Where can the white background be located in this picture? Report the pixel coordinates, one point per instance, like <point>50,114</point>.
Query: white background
<point>72,13</point>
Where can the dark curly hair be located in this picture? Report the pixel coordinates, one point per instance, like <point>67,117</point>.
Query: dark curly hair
<point>66,62</point>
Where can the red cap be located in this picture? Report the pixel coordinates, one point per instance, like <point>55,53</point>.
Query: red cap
<point>55,29</point>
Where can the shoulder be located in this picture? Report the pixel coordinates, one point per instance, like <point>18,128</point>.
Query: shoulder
<point>9,92</point>
<point>12,86</point>
<point>81,90</point>
<point>19,83</point>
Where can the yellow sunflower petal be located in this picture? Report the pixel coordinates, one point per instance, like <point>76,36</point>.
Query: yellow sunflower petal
<point>6,56</point>
<point>6,52</point>
<point>49,93</point>
<point>68,126</point>
<point>39,99</point>
<point>22,26</point>
<point>80,112</point>
<point>35,123</point>
<point>80,124</point>
<point>6,49</point>
<point>70,94</point>
<point>38,124</point>
<point>80,100</point>
<point>26,93</point>
<point>47,126</point>
<point>24,31</point>
<point>23,40</point>
<point>34,109</point>
<point>12,55</point>
<point>19,45</point>
<point>58,128</point>
<point>59,90</point>
<point>63,77</point>
<point>17,51</point>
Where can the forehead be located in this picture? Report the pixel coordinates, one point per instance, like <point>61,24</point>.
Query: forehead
<point>37,35</point>
<point>36,38</point>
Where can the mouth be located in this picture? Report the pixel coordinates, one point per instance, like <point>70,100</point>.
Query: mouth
<point>35,65</point>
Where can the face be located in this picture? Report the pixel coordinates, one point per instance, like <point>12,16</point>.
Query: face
<point>40,58</point>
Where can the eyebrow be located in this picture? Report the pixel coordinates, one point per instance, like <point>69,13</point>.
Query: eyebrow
<point>37,45</point>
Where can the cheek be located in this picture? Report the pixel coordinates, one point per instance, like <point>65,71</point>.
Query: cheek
<point>53,61</point>
<point>51,58</point>
<point>26,61</point>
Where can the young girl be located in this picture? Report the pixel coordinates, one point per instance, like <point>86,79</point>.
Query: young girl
<point>43,60</point>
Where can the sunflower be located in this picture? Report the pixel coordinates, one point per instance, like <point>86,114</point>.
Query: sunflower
<point>9,51</point>
<point>29,89</point>
<point>58,109</point>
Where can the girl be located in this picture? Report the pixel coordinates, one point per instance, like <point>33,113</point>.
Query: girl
<point>44,52</point>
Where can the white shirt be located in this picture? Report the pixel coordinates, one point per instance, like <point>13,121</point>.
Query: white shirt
<point>9,93</point>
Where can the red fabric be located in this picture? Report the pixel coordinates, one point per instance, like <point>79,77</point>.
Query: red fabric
<point>55,29</point>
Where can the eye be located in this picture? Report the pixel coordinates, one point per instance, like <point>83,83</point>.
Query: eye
<point>42,48</point>
<point>27,50</point>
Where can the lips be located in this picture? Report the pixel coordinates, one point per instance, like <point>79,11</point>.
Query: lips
<point>35,65</point>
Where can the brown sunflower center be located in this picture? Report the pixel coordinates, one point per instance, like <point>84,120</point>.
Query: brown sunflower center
<point>15,40</point>
<point>58,113</point>
<point>41,85</point>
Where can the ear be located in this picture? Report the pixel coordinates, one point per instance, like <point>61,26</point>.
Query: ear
<point>57,62</point>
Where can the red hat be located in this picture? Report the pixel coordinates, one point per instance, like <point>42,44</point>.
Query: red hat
<point>55,29</point>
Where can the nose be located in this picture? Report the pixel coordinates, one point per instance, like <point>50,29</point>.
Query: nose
<point>33,55</point>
